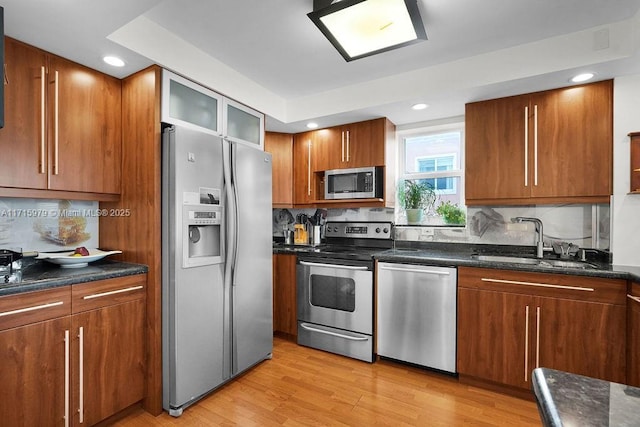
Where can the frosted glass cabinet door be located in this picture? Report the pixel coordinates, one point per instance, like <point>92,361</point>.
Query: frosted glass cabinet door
<point>187,103</point>
<point>243,124</point>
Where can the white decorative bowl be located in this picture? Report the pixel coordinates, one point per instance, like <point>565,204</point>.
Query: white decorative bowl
<point>66,260</point>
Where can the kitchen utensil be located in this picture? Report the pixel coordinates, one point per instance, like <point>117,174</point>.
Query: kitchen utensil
<point>11,264</point>
<point>315,235</point>
<point>288,237</point>
<point>300,237</point>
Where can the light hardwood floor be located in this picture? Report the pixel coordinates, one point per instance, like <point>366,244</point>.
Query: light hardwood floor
<point>306,387</point>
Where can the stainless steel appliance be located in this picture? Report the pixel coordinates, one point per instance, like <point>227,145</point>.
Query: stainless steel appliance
<point>335,289</point>
<point>416,314</point>
<point>357,183</point>
<point>216,272</point>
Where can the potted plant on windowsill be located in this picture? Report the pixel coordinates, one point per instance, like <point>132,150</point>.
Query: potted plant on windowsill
<point>451,213</point>
<point>415,197</point>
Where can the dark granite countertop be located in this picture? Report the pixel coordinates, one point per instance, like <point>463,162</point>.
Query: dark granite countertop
<point>39,275</point>
<point>456,254</point>
<point>566,399</point>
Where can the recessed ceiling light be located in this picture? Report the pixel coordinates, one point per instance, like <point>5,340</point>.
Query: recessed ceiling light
<point>582,77</point>
<point>312,125</point>
<point>113,60</point>
<point>419,106</point>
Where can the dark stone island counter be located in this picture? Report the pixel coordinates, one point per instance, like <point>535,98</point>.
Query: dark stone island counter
<point>566,399</point>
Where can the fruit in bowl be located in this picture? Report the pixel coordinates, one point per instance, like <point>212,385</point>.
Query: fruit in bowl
<point>80,251</point>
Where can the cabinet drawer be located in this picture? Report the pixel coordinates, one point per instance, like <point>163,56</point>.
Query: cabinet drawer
<point>103,293</point>
<point>31,307</point>
<point>592,289</point>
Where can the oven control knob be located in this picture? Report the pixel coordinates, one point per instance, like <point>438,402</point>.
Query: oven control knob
<point>378,230</point>
<point>386,230</point>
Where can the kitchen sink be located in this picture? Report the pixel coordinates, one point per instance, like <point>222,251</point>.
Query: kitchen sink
<point>507,258</point>
<point>558,263</point>
<point>566,264</point>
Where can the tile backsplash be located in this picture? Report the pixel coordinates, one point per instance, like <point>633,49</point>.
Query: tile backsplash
<point>586,226</point>
<point>48,225</point>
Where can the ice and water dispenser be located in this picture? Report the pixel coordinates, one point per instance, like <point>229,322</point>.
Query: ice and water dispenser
<point>202,237</point>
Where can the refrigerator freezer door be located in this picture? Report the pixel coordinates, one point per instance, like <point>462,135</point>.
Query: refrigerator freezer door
<point>193,306</point>
<point>252,271</point>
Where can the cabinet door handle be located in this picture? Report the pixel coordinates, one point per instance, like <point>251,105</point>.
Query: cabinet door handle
<point>309,169</point>
<point>66,378</point>
<point>348,146</point>
<point>526,344</point>
<point>117,291</point>
<point>56,123</point>
<point>343,146</point>
<point>81,373</point>
<point>535,145</point>
<point>526,146</point>
<point>636,299</point>
<point>540,285</point>
<point>537,337</point>
<point>43,134</point>
<point>26,309</point>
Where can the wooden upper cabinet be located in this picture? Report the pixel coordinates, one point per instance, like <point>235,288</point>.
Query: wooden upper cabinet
<point>23,139</point>
<point>496,158</point>
<point>365,143</point>
<point>354,145</point>
<point>575,142</point>
<point>303,176</point>
<point>280,145</point>
<point>545,147</point>
<point>85,136</point>
<point>63,125</point>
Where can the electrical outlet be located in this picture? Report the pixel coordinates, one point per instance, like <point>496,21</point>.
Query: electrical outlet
<point>427,231</point>
<point>518,226</point>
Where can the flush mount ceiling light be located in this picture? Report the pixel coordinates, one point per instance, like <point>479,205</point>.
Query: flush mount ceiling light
<point>360,28</point>
<point>419,106</point>
<point>312,125</point>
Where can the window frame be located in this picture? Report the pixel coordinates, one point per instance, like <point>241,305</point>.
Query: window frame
<point>427,130</point>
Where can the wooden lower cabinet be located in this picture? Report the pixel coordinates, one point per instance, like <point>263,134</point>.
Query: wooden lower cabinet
<point>32,390</point>
<point>89,350</point>
<point>633,335</point>
<point>511,322</point>
<point>285,315</point>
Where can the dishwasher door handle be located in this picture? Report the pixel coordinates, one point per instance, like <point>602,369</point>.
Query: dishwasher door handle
<point>415,270</point>
<point>334,334</point>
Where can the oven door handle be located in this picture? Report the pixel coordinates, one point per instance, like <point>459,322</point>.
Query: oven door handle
<point>335,334</point>
<point>344,267</point>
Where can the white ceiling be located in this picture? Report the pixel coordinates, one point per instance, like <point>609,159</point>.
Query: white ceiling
<point>269,55</point>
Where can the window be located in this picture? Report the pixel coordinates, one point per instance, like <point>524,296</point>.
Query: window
<point>434,156</point>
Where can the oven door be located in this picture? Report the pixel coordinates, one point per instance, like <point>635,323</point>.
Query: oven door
<point>335,307</point>
<point>332,294</point>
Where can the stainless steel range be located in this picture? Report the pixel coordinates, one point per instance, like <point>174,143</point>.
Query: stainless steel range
<point>335,288</point>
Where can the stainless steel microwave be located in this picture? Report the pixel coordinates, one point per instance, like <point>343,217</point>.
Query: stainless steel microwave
<point>357,183</point>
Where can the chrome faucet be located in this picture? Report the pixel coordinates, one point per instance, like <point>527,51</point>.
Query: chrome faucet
<point>539,233</point>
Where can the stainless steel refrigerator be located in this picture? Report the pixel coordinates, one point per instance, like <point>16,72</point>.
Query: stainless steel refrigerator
<point>216,263</point>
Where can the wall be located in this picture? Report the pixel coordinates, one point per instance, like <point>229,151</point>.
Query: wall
<point>625,244</point>
<point>48,225</point>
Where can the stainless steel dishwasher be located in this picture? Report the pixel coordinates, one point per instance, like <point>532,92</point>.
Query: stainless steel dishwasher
<point>416,312</point>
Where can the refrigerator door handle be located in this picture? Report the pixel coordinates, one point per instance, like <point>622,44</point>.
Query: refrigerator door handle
<point>229,265</point>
